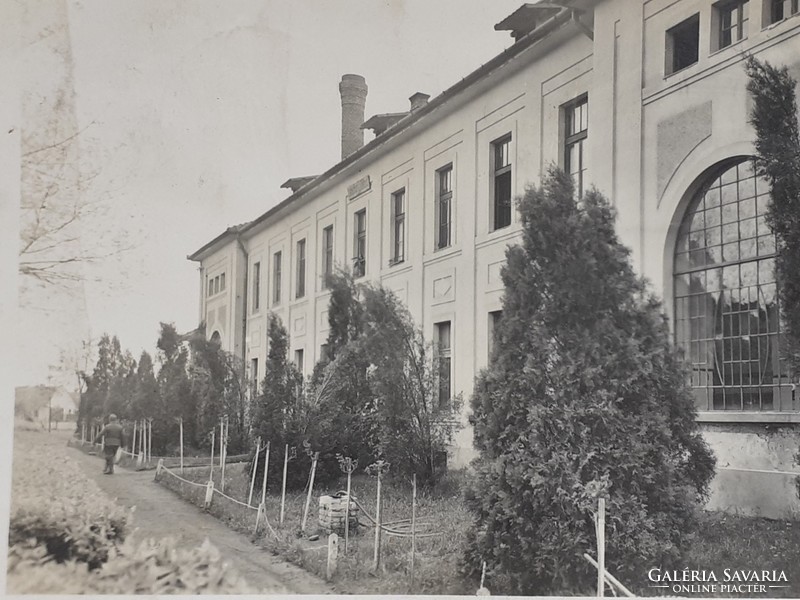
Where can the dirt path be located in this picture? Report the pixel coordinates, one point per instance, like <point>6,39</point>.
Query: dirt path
<point>159,513</point>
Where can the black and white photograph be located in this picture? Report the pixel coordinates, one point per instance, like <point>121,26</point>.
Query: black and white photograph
<point>400,297</point>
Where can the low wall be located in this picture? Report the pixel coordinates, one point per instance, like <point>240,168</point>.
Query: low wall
<point>756,471</point>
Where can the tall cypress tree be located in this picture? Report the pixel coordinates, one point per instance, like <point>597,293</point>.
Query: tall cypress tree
<point>584,396</point>
<point>774,117</point>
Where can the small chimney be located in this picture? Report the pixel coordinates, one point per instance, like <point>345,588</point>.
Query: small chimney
<point>418,100</point>
<point>353,89</point>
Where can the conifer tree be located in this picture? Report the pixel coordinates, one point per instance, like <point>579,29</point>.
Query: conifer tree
<point>175,392</point>
<point>146,393</point>
<point>584,396</point>
<point>774,117</point>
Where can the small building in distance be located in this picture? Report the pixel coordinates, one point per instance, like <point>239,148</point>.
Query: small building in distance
<point>41,404</point>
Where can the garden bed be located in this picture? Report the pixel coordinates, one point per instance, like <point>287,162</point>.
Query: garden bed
<point>723,541</point>
<point>436,559</point>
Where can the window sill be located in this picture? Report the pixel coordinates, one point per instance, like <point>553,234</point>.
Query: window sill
<point>681,70</point>
<point>728,47</point>
<point>442,254</point>
<point>747,417</point>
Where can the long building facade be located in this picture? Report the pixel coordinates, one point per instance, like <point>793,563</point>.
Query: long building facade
<point>645,100</point>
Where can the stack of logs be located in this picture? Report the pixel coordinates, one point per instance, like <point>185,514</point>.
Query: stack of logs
<point>332,511</point>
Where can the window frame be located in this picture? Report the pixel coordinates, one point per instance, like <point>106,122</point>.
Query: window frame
<point>254,374</point>
<point>300,269</point>
<point>772,10</point>
<point>327,254</point>
<point>576,139</point>
<point>444,206</point>
<point>360,243</point>
<point>672,45</point>
<point>501,171</point>
<point>722,250</point>
<point>277,268</point>
<point>444,359</point>
<point>256,299</point>
<point>398,226</point>
<point>740,27</point>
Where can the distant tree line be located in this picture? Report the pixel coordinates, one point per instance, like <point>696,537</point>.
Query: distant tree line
<point>374,394</point>
<point>196,381</point>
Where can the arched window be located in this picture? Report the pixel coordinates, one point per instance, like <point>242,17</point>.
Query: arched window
<point>215,338</point>
<point>726,295</point>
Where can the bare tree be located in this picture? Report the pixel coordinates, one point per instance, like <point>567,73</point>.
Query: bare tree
<point>61,206</point>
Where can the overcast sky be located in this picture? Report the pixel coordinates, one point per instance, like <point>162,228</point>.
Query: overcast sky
<point>195,113</point>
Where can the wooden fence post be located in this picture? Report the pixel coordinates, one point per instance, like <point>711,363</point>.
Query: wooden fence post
<point>209,494</point>
<point>221,435</point>
<point>211,469</point>
<point>376,559</point>
<point>159,466</point>
<point>261,508</point>
<point>283,488</point>
<point>149,440</point>
<point>264,480</point>
<point>255,469</point>
<point>224,434</point>
<point>413,524</point>
<point>333,556</point>
<point>347,513</point>
<point>310,490</point>
<point>181,426</point>
<point>600,525</point>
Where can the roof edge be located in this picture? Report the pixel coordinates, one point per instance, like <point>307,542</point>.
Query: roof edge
<point>523,43</point>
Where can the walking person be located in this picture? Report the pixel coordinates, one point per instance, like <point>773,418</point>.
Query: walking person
<point>111,435</point>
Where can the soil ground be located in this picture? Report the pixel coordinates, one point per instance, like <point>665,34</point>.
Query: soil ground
<point>158,513</point>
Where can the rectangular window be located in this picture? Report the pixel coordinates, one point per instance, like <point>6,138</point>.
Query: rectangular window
<point>783,9</point>
<point>210,287</point>
<point>276,278</point>
<point>576,130</point>
<point>300,284</point>
<point>682,45</point>
<point>254,375</point>
<point>256,286</point>
<point>360,243</point>
<point>216,284</point>
<point>324,355</point>
<point>327,255</point>
<point>501,167</point>
<point>732,17</point>
<point>298,359</point>
<point>222,282</point>
<point>444,356</point>
<point>494,321</point>
<point>444,206</point>
<point>398,226</point>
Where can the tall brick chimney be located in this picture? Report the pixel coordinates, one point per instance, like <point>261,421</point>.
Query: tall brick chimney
<point>353,89</point>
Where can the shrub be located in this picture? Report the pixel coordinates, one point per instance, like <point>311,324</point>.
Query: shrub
<point>584,395</point>
<point>151,568</point>
<point>774,118</point>
<point>76,522</point>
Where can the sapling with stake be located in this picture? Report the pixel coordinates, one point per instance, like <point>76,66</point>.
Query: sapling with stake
<point>314,456</point>
<point>347,465</point>
<point>255,469</point>
<point>289,454</point>
<point>377,468</point>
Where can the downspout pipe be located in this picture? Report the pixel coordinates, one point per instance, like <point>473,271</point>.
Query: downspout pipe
<point>246,255</point>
